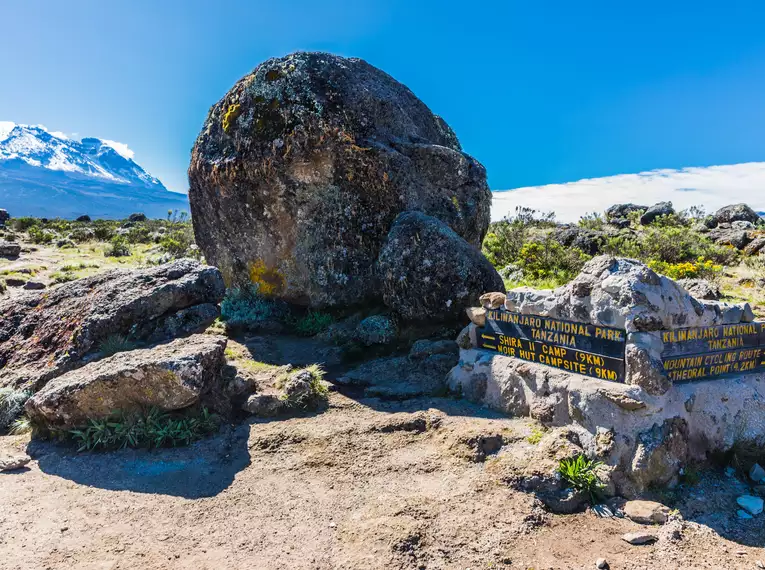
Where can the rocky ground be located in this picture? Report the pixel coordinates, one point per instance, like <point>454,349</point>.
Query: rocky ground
<point>365,484</point>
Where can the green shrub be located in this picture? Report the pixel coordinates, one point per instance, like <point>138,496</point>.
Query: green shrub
<point>118,247</point>
<point>23,224</point>
<point>549,260</point>
<point>505,239</point>
<point>178,242</point>
<point>103,230</point>
<point>63,277</point>
<point>138,234</point>
<point>246,307</point>
<point>38,236</point>
<point>580,474</point>
<point>11,405</point>
<point>151,428</point>
<point>313,323</point>
<point>592,221</point>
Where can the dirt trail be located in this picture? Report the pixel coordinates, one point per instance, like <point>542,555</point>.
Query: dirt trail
<point>365,484</point>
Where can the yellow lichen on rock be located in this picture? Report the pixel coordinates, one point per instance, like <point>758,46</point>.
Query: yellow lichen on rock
<point>269,281</point>
<point>230,116</point>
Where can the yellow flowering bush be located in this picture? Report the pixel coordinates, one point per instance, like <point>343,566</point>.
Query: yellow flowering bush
<point>701,268</point>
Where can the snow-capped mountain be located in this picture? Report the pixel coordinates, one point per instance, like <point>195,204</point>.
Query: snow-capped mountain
<point>48,174</point>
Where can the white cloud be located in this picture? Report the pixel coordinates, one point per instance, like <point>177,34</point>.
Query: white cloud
<point>121,148</point>
<point>711,187</point>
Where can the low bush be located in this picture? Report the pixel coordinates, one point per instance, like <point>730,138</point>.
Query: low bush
<point>178,242</point>
<point>244,306</point>
<point>38,236</point>
<point>549,260</point>
<point>118,247</point>
<point>312,323</point>
<point>699,269</point>
<point>150,428</point>
<point>63,277</point>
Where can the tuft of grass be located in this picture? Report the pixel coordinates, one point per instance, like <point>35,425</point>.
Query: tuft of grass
<point>536,435</point>
<point>313,323</point>
<point>150,428</point>
<point>579,472</point>
<point>63,277</point>
<point>11,405</point>
<point>246,307</point>
<point>305,399</point>
<point>21,426</point>
<point>116,343</point>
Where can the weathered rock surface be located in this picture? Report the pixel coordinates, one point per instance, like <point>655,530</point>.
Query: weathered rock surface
<point>646,512</point>
<point>701,288</point>
<point>4,216</point>
<point>649,437</point>
<point>660,209</point>
<point>639,538</point>
<point>301,168</point>
<point>622,211</point>
<point>44,334</point>
<point>168,376</point>
<point>730,236</point>
<point>429,272</point>
<point>589,241</point>
<point>9,249</point>
<point>735,213</point>
<point>756,246</point>
<point>13,462</point>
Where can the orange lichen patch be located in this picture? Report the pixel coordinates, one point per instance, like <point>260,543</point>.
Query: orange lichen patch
<point>269,281</point>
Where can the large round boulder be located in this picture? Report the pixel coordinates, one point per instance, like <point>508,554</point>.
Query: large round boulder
<point>428,272</point>
<point>301,168</point>
<point>735,213</point>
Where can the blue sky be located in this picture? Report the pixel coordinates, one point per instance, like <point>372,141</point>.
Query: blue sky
<point>539,91</point>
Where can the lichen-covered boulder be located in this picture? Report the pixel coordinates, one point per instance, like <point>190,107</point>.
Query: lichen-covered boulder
<point>44,334</point>
<point>301,168</point>
<point>660,209</point>
<point>168,376</point>
<point>622,211</point>
<point>735,213</point>
<point>429,272</point>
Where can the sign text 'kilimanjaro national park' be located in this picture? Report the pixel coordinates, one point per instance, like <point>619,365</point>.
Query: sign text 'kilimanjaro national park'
<point>700,353</point>
<point>581,348</point>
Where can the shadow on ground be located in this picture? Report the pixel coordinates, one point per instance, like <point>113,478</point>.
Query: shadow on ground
<point>203,469</point>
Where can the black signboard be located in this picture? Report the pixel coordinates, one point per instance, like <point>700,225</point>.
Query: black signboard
<point>706,352</point>
<point>576,347</point>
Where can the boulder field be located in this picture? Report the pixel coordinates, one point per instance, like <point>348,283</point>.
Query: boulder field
<point>301,170</point>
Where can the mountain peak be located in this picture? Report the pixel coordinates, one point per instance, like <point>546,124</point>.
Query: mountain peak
<point>32,157</point>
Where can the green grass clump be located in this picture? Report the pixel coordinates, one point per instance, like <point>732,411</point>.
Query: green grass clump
<point>580,474</point>
<point>63,277</point>
<point>536,435</point>
<point>11,405</point>
<point>151,428</point>
<point>312,323</point>
<point>305,399</point>
<point>115,343</point>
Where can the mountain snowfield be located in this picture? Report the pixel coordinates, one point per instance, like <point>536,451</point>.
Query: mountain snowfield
<point>47,174</point>
<point>711,187</point>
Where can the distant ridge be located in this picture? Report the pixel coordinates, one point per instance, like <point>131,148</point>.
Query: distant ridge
<point>47,174</point>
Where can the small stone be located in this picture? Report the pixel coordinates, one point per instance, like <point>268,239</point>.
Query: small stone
<point>757,473</point>
<point>760,564</point>
<point>601,564</point>
<point>477,316</point>
<point>333,525</point>
<point>13,462</point>
<point>742,514</point>
<point>750,503</point>
<point>638,538</point>
<point>730,471</point>
<point>34,285</point>
<point>646,512</point>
